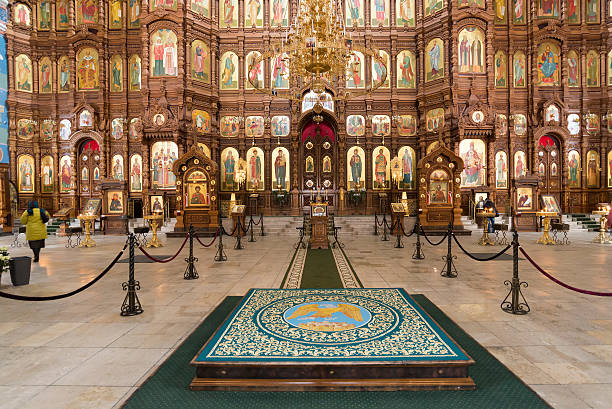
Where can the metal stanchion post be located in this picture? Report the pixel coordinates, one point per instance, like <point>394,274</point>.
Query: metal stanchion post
<point>515,306</point>
<point>251,226</point>
<point>418,252</point>
<point>375,225</point>
<point>190,272</point>
<point>131,304</point>
<point>238,245</point>
<point>262,228</point>
<point>385,237</point>
<point>220,256</point>
<point>398,243</point>
<point>449,270</point>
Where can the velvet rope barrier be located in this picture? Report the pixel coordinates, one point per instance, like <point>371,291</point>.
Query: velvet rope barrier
<point>71,293</point>
<point>429,241</point>
<point>167,260</point>
<point>376,220</point>
<point>404,231</point>
<point>480,259</point>
<point>259,222</point>
<point>213,240</point>
<point>233,231</point>
<point>561,283</point>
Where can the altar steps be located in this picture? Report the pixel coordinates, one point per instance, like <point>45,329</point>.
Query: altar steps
<point>585,221</point>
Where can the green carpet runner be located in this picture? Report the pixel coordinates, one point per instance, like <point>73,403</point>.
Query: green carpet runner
<point>320,270</point>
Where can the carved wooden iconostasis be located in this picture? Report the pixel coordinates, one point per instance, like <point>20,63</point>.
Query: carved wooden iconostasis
<point>197,200</point>
<point>439,189</point>
<point>511,87</point>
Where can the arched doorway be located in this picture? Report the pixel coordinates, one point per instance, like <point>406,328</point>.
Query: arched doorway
<point>88,170</point>
<point>318,158</point>
<point>549,162</point>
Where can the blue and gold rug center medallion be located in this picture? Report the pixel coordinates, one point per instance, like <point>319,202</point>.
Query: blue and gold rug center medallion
<point>306,328</point>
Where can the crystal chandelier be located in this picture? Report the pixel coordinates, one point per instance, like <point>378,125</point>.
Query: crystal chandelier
<point>317,51</point>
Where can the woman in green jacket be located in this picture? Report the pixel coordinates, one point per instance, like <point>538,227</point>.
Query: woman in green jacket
<point>36,232</point>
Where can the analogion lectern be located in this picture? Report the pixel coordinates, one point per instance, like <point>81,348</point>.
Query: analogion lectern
<point>318,220</point>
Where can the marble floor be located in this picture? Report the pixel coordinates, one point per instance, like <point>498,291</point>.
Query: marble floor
<point>80,353</point>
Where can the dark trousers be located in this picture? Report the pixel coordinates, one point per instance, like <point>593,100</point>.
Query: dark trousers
<point>36,245</point>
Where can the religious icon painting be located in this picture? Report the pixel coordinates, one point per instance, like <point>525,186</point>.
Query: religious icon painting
<point>23,73</point>
<point>573,167</point>
<point>404,12</point>
<point>438,188</point>
<point>518,11</point>
<point>65,174</point>
<point>541,170</point>
<point>592,123</point>
<point>63,68</point>
<point>548,8</point>
<point>280,169</point>
<point>309,164</point>
<point>610,169</point>
<point>200,121</point>
<point>524,198</point>
<point>200,61</point>
<point>378,70</point>
<point>201,7</point>
<point>47,172</point>
<point>136,173</point>
<point>548,63</point>
<point>229,166</point>
<point>135,72</point>
<point>573,11</point>
<point>196,190</point>
<point>163,156</point>
<point>229,126</point>
<point>228,17</point>
<point>592,11</point>
<point>501,170</point>
<point>280,125</point>
<point>255,169</point>
<point>520,124</point>
<point>502,124</point>
<point>45,76</point>
<point>434,59</point>
<point>501,12</point>
<point>279,13</point>
<point>117,168</point>
<point>471,46</point>
<point>25,173</point>
<point>65,129</point>
<point>434,119</point>
<point>44,15</point>
<point>279,71</point>
<point>134,13</point>
<point>553,169</point>
<point>477,117</point>
<point>379,13</point>
<point>115,14</point>
<point>254,126</point>
<point>406,125</point>
<point>407,159</point>
<point>163,4</point>
<point>253,13</point>
<point>92,206</point>
<point>25,129</point>
<point>473,153</point>
<point>381,169</point>
<point>355,125</point>
<point>501,70</point>
<point>592,69</point>
<point>573,69</point>
<point>86,12</point>
<point>518,66</point>
<point>133,129</point>
<point>254,73</point>
<point>471,3</point>
<point>156,204</point>
<point>355,160</point>
<point>46,130</point>
<point>311,98</point>
<point>592,169</point>
<point>117,128</point>
<point>114,200</point>
<point>163,54</point>
<point>381,125</point>
<point>354,13</point>
<point>116,71</point>
<point>406,69</point>
<point>228,71</point>
<point>87,70</point>
<point>520,164</point>
<point>22,14</point>
<point>609,65</point>
<point>432,6</point>
<point>327,164</point>
<point>85,119</point>
<point>551,113</point>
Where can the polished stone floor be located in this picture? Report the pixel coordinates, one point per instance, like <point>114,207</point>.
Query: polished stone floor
<point>79,352</point>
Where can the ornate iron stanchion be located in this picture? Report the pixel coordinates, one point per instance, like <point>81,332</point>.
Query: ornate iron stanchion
<point>261,233</point>
<point>449,270</point>
<point>301,242</point>
<point>398,242</point>
<point>251,238</point>
<point>238,245</point>
<point>418,252</point>
<point>385,237</point>
<point>131,304</point>
<point>515,306</point>
<point>375,225</point>
<point>190,272</point>
<point>220,256</point>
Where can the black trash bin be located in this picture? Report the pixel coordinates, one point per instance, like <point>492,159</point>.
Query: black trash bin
<point>20,270</point>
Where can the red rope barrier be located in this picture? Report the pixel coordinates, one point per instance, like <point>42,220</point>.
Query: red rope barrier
<point>561,283</point>
<point>213,240</point>
<point>167,260</point>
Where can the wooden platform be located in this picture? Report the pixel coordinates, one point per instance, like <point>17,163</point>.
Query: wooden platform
<point>247,353</point>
